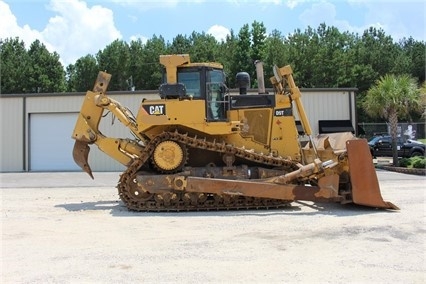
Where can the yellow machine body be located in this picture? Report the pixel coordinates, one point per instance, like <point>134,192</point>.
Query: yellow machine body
<point>199,147</point>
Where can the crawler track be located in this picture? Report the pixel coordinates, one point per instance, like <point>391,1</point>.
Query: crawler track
<point>137,199</point>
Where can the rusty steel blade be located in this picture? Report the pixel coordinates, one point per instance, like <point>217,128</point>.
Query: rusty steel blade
<point>365,185</point>
<point>80,154</point>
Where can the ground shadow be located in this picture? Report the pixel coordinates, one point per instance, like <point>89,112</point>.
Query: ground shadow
<point>112,205</point>
<point>118,209</point>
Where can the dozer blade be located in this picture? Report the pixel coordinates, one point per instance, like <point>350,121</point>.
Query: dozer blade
<point>365,185</point>
<point>81,153</point>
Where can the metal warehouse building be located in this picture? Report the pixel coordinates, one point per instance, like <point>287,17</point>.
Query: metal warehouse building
<point>36,128</point>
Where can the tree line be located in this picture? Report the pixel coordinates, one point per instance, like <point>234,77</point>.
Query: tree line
<point>321,57</point>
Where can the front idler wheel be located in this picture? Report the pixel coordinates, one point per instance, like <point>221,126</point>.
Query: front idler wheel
<point>169,157</point>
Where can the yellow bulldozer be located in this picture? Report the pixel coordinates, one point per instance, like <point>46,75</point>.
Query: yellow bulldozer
<point>199,147</point>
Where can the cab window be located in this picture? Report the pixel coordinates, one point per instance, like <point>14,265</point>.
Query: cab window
<point>216,76</point>
<point>191,80</point>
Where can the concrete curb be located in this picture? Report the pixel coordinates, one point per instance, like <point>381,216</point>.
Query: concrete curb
<point>411,171</point>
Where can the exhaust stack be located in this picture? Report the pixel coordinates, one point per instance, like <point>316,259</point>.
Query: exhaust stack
<point>260,78</point>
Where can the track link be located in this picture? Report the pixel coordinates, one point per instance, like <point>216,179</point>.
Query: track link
<point>136,199</point>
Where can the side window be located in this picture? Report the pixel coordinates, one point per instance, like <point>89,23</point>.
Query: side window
<point>191,80</point>
<point>216,76</point>
<point>216,101</point>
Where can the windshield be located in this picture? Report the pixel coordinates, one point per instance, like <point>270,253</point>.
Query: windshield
<point>375,139</point>
<point>386,139</point>
<point>191,80</point>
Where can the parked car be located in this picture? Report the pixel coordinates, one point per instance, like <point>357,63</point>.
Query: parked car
<point>382,146</point>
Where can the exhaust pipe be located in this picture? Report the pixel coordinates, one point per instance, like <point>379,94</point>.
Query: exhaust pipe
<point>260,77</point>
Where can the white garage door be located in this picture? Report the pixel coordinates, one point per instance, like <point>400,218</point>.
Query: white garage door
<point>50,142</point>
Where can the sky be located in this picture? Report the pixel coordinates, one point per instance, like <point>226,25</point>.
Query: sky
<point>75,28</point>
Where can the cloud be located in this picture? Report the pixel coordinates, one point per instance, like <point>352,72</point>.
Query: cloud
<point>142,38</point>
<point>74,31</point>
<point>78,30</point>
<point>325,12</point>
<point>219,32</point>
<point>276,2</point>
<point>401,19</point>
<point>145,5</point>
<point>293,3</point>
<point>9,28</point>
<point>318,13</point>
<point>388,18</point>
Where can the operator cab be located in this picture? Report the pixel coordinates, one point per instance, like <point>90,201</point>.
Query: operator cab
<point>199,81</point>
<point>184,80</point>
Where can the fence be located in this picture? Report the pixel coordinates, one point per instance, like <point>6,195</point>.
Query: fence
<point>415,130</point>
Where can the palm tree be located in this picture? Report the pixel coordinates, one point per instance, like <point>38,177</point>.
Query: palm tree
<point>393,97</point>
<point>423,98</point>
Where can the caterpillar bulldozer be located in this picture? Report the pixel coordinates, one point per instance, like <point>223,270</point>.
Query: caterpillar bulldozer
<point>200,147</point>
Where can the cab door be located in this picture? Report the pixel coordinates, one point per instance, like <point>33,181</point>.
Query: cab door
<point>216,95</point>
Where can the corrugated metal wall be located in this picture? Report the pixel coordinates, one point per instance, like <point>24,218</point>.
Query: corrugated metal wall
<point>330,104</point>
<point>12,134</point>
